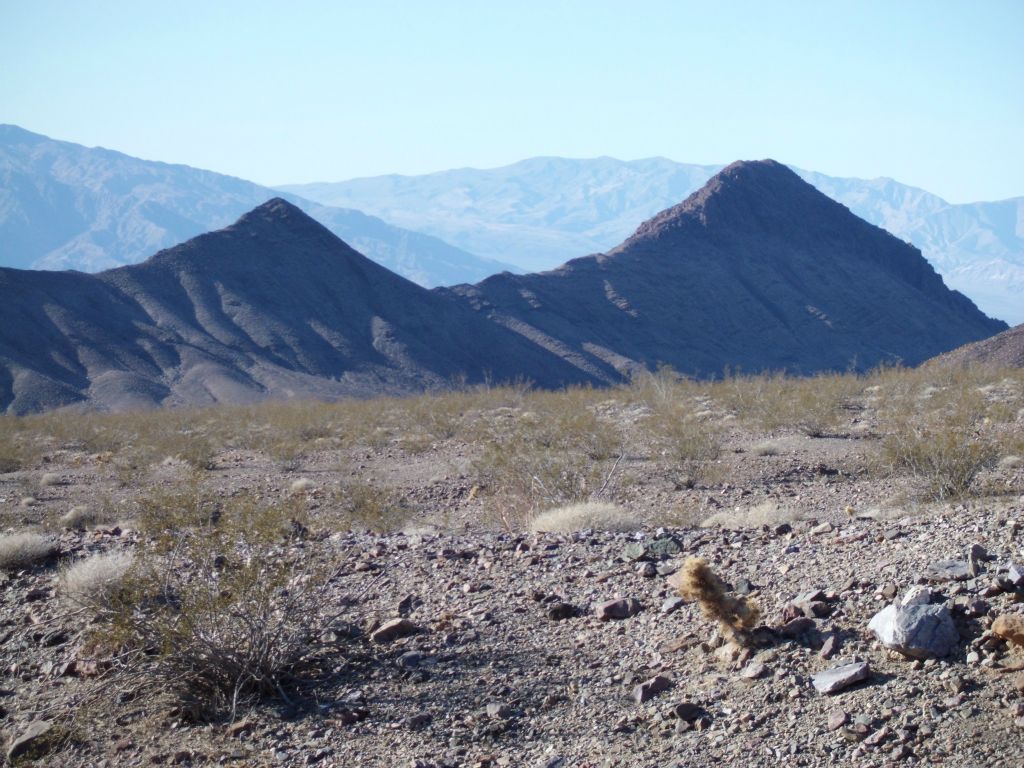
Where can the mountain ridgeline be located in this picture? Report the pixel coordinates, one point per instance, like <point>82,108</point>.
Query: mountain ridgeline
<point>274,306</point>
<point>65,206</point>
<point>756,271</point>
<point>537,212</point>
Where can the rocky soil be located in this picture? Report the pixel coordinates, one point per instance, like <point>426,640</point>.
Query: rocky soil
<point>461,644</point>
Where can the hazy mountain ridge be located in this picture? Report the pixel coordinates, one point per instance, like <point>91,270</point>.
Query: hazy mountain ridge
<point>538,212</point>
<point>65,206</point>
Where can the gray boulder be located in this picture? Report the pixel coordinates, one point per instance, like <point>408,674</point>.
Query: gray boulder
<point>920,631</point>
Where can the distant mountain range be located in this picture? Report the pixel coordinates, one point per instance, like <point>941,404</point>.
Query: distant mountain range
<point>538,212</point>
<point>755,271</point>
<point>65,206</point>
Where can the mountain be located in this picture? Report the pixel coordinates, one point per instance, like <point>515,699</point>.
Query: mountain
<point>272,306</point>
<point>1005,349</point>
<point>64,206</point>
<point>755,271</point>
<point>536,212</point>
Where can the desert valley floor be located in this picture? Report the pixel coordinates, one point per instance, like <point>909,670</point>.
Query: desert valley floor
<point>445,621</point>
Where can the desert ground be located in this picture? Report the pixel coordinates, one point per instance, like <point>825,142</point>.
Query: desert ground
<point>498,577</point>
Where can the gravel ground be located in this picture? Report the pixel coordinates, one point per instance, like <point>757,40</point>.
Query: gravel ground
<point>501,656</point>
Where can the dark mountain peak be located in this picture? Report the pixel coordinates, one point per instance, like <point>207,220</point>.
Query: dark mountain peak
<point>761,195</point>
<point>278,213</point>
<point>275,235</point>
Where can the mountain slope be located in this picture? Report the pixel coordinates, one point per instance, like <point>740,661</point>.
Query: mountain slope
<point>755,271</point>
<point>64,206</point>
<point>272,306</point>
<point>536,212</point>
<point>1005,349</point>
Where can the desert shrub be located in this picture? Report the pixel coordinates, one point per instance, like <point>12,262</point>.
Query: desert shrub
<point>592,514</point>
<point>688,443</point>
<point>946,458</point>
<point>814,405</point>
<point>521,478</point>
<point>736,616</point>
<point>24,550</point>
<point>359,505</point>
<point>78,518</point>
<point>941,435</point>
<point>767,448</point>
<point>655,388</point>
<point>766,513</point>
<point>12,453</point>
<point>93,581</point>
<point>221,613</point>
<point>556,452</point>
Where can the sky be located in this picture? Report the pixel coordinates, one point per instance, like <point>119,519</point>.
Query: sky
<point>929,92</point>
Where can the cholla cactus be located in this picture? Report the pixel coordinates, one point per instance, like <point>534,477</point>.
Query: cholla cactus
<point>736,615</point>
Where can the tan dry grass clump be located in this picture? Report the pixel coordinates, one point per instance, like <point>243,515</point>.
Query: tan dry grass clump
<point>736,615</point>
<point>23,550</point>
<point>766,513</point>
<point>94,580</point>
<point>78,518</point>
<point>597,515</point>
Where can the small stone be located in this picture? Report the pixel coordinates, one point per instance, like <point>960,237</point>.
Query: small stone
<point>410,659</point>
<point>916,595</point>
<point>393,630</point>
<point>876,738</point>
<point>29,740</point>
<point>743,587</point>
<point>901,752</point>
<point>1010,627</point>
<point>618,609</point>
<point>687,711</point>
<point>815,609</point>
<point>975,558</point>
<point>498,711</point>
<point>647,570</point>
<point>889,591</point>
<point>1015,575</point>
<point>822,528</point>
<point>239,728</point>
<point>797,627</point>
<point>754,670</point>
<point>855,732</point>
<point>836,679</point>
<point>560,611</point>
<point>947,570</point>
<point>648,689</point>
<point>406,605</point>
<point>662,548</point>
<point>672,604</point>
<point>837,718</point>
<point>1018,683</point>
<point>634,551</point>
<point>418,721</point>
<point>830,647</point>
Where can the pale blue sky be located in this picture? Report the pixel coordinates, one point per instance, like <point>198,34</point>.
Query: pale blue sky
<point>928,92</point>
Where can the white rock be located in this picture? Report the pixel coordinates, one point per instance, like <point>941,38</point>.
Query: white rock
<point>920,631</point>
